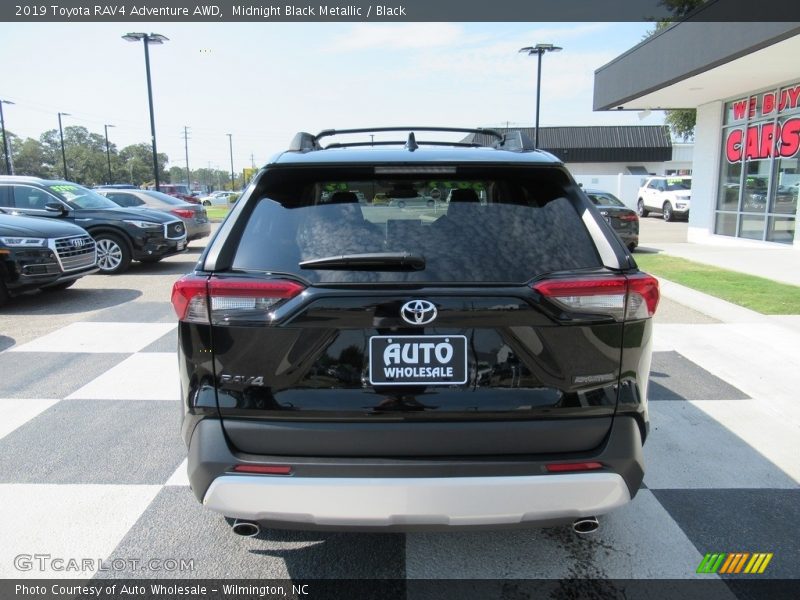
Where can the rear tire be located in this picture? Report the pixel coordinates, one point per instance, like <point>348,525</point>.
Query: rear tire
<point>643,212</point>
<point>667,212</point>
<point>113,255</point>
<point>206,203</point>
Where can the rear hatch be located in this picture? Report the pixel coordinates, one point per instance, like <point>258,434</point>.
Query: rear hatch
<point>482,326</point>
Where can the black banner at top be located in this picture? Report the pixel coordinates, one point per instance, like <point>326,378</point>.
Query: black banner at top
<point>392,10</point>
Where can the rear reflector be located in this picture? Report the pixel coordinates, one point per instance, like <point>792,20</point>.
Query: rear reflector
<point>629,217</point>
<point>231,298</point>
<point>567,467</point>
<point>621,297</point>
<point>264,469</point>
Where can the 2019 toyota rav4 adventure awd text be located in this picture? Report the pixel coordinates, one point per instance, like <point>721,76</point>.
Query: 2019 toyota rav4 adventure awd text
<point>354,365</point>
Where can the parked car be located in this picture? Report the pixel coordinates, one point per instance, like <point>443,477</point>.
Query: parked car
<point>121,235</point>
<point>351,366</point>
<point>42,254</point>
<point>219,198</point>
<point>178,191</point>
<point>193,215</point>
<point>622,219</point>
<point>670,196</point>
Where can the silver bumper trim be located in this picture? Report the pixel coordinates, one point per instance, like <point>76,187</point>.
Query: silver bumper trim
<point>454,501</point>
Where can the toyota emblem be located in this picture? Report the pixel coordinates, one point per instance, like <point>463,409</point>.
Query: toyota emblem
<point>418,312</point>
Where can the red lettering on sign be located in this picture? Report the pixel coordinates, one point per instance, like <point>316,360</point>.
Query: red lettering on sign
<point>767,140</point>
<point>768,103</point>
<point>739,109</point>
<point>733,146</point>
<point>790,138</point>
<point>761,142</point>
<point>752,146</point>
<point>752,105</point>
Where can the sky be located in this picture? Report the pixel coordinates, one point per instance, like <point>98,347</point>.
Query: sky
<point>263,82</point>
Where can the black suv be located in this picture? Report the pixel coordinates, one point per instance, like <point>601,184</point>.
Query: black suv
<point>121,235</point>
<point>42,254</point>
<point>483,361</point>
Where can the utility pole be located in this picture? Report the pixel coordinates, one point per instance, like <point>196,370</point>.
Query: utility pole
<point>61,134</point>
<point>6,146</point>
<point>186,148</point>
<point>252,160</point>
<point>539,50</point>
<point>230,141</point>
<point>108,153</point>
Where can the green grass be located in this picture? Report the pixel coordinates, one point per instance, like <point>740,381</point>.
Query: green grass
<point>756,293</point>
<point>217,213</point>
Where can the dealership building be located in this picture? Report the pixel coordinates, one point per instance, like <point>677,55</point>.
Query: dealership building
<point>744,81</point>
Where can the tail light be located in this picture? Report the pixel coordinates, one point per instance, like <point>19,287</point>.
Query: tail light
<point>620,297</point>
<point>231,299</point>
<point>628,217</point>
<point>183,213</point>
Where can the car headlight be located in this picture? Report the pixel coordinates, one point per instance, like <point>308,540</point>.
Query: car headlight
<point>143,224</point>
<point>24,242</point>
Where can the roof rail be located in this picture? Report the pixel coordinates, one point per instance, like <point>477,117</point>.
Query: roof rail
<point>306,142</point>
<point>515,141</point>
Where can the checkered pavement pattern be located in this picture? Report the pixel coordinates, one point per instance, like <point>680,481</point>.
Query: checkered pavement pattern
<point>92,465</point>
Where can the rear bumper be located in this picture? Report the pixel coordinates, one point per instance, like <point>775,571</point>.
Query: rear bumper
<point>424,501</point>
<point>406,494</point>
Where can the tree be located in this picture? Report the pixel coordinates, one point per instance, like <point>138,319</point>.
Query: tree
<point>29,158</point>
<point>136,165</point>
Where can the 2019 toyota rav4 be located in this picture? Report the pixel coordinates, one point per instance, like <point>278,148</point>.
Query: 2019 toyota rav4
<point>480,362</point>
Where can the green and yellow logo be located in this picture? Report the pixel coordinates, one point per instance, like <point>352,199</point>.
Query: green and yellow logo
<point>735,562</point>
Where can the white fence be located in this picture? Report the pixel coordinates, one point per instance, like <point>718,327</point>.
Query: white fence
<point>624,187</point>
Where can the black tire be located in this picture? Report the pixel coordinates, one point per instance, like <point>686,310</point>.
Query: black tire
<point>632,247</point>
<point>643,212</point>
<point>667,212</point>
<point>113,254</point>
<point>206,203</point>
<point>60,286</point>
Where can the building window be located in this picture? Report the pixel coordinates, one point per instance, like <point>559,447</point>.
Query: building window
<point>759,179</point>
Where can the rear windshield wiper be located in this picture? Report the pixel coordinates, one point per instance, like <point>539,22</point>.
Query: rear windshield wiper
<point>371,261</point>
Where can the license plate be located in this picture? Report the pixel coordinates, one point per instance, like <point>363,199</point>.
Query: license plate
<point>417,360</point>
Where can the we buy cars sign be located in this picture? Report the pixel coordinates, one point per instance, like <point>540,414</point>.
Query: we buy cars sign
<point>764,140</point>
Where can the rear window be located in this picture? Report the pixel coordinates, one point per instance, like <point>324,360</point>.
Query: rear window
<point>468,229</point>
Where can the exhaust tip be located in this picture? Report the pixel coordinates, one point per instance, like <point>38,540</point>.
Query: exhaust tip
<point>246,528</point>
<point>585,525</point>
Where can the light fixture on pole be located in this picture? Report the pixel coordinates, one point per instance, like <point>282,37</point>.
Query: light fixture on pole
<point>539,49</point>
<point>108,153</point>
<point>6,145</point>
<point>230,141</point>
<point>61,134</point>
<point>147,39</point>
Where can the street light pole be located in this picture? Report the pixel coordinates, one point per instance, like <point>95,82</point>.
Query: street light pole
<point>151,38</point>
<point>108,153</point>
<point>539,49</point>
<point>230,141</point>
<point>6,146</point>
<point>61,134</point>
<point>186,148</point>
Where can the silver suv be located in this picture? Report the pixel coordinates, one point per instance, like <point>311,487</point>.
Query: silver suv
<point>670,196</point>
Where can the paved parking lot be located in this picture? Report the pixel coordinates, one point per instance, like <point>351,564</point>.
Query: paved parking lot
<point>91,463</point>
